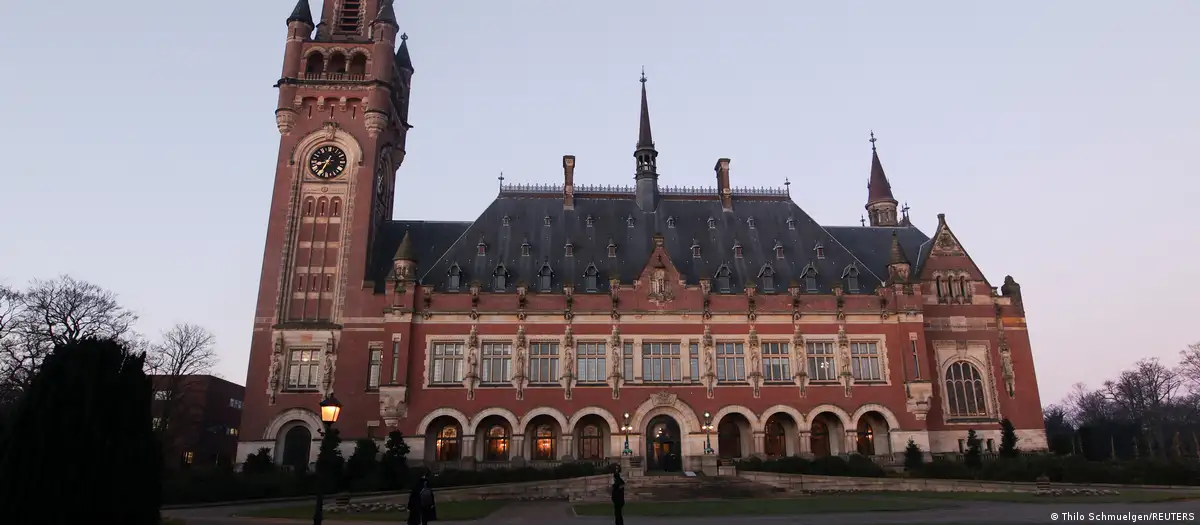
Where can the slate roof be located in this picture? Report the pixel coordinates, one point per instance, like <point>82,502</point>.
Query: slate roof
<point>616,219</point>
<point>430,239</point>
<point>873,244</point>
<point>301,13</point>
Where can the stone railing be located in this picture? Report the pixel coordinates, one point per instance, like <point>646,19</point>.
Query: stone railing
<point>572,489</point>
<point>804,482</point>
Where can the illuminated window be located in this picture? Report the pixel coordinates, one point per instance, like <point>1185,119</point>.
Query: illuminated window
<point>446,446</point>
<point>543,445</point>
<point>497,444</point>
<point>866,438</point>
<point>304,370</point>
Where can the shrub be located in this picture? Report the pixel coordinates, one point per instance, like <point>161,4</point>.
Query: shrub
<point>393,468</point>
<point>945,469</point>
<point>862,466</point>
<point>830,466</point>
<point>362,467</point>
<point>974,456</point>
<point>260,462</point>
<point>85,394</point>
<point>330,463</point>
<point>1008,439</point>
<point>914,459</point>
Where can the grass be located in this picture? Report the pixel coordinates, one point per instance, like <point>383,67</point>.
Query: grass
<point>449,511</point>
<point>1125,496</point>
<point>762,507</point>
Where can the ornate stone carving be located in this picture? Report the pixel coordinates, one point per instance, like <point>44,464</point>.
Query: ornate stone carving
<point>519,379</point>
<point>275,373</point>
<point>285,119</point>
<point>844,356</point>
<point>616,379</point>
<point>710,363</point>
<point>918,402</point>
<point>664,399</point>
<point>751,301</point>
<point>393,404</point>
<point>660,288</point>
<point>798,348</point>
<point>795,293</point>
<point>376,122</point>
<point>471,376</point>
<point>754,374</point>
<point>330,128</point>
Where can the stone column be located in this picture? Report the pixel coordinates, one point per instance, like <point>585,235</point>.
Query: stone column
<point>804,443</point>
<point>469,453</point>
<point>851,442</point>
<point>518,447</point>
<point>566,450</point>
<point>759,444</point>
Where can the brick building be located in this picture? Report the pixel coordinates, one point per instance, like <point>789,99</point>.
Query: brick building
<point>533,330</point>
<point>202,415</point>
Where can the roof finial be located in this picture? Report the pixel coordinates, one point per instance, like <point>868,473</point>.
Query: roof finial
<point>873,140</point>
<point>862,220</point>
<point>787,185</point>
<point>904,210</point>
<point>403,36</point>
<point>643,80</point>
<point>501,177</point>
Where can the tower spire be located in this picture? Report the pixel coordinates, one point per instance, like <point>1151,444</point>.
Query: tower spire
<point>646,155</point>
<point>403,59</point>
<point>302,13</point>
<point>881,205</point>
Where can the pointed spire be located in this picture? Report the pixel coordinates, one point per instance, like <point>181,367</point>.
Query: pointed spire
<point>302,13</point>
<point>646,192</point>
<point>387,13</point>
<point>405,251</point>
<point>897,256</point>
<point>403,60</point>
<point>645,140</point>
<point>878,188</point>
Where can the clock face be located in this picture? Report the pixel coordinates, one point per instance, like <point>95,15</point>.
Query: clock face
<point>327,162</point>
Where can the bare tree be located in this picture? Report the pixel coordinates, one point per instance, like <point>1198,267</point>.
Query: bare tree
<point>1189,366</point>
<point>1147,394</point>
<point>11,371</point>
<point>185,350</point>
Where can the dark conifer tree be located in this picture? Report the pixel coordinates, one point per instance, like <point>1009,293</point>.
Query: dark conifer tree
<point>79,446</point>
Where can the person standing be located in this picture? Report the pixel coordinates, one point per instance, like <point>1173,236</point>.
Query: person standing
<point>618,496</point>
<point>421,508</point>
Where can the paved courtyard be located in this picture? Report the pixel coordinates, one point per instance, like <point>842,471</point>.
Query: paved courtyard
<point>980,513</point>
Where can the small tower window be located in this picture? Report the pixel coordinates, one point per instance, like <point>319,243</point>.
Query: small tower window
<point>695,249</point>
<point>791,223</point>
<point>308,207</point>
<point>506,220</point>
<point>454,282</point>
<point>299,283</point>
<point>778,250</point>
<point>851,275</point>
<point>712,223</point>
<point>737,249</point>
<point>589,221</point>
<point>820,249</point>
<point>767,276</point>
<point>546,220</point>
<point>569,250</point>
<point>810,279</point>
<point>723,285</point>
<point>750,222</point>
<point>335,207</point>
<point>671,222</point>
<point>612,249</point>
<point>591,278</point>
<point>629,221</point>
<point>500,279</point>
<point>525,248</point>
<point>545,278</point>
<point>481,248</point>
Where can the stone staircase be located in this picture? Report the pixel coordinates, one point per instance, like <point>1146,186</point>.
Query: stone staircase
<point>684,488</point>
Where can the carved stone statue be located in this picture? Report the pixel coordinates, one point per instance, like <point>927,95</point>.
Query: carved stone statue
<point>274,374</point>
<point>1009,382</point>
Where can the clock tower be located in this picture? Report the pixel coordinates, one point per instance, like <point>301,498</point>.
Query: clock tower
<point>342,117</point>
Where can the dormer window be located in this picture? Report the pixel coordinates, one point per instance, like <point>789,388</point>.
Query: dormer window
<point>500,279</point>
<point>851,276</point>
<point>569,250</point>
<point>454,278</point>
<point>506,220</point>
<point>545,278</point>
<point>525,248</point>
<point>723,274</point>
<point>695,249</point>
<point>591,278</point>
<point>612,249</point>
<point>481,248</point>
<point>589,221</point>
<point>778,250</point>
<point>767,276</point>
<point>629,221</point>
<point>546,220</point>
<point>671,222</point>
<point>712,223</point>
<point>791,223</point>
<point>810,279</point>
<point>750,222</point>
<point>820,249</point>
<point>737,249</point>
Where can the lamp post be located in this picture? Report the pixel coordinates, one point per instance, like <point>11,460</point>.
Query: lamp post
<point>708,433</point>
<point>330,410</point>
<point>627,428</point>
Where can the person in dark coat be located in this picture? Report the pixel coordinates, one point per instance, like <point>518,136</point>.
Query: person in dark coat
<point>618,496</point>
<point>421,508</point>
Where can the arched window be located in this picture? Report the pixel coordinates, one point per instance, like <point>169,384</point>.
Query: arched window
<point>774,440</point>
<point>543,444</point>
<point>335,207</point>
<point>819,442</point>
<point>589,443</point>
<point>866,438</point>
<point>964,391</point>
<point>729,439</point>
<point>446,446</point>
<point>337,63</point>
<point>308,207</point>
<point>315,64</point>
<point>497,444</point>
<point>321,207</point>
<point>358,64</point>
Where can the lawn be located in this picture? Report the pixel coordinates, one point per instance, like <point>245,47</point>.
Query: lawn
<point>1125,496</point>
<point>449,511</point>
<point>763,507</point>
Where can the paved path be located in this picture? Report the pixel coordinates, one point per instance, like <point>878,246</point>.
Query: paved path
<point>980,513</point>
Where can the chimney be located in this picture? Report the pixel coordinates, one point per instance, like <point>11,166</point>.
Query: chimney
<point>568,182</point>
<point>723,189</point>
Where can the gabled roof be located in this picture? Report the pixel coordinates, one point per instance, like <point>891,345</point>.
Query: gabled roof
<point>635,243</point>
<point>873,244</point>
<point>429,240</point>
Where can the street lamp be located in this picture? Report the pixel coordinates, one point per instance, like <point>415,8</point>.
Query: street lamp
<point>330,410</point>
<point>708,433</point>
<point>627,428</point>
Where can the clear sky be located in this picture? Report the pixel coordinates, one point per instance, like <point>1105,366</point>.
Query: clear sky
<point>1057,137</point>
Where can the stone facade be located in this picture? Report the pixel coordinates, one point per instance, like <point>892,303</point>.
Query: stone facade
<point>568,320</point>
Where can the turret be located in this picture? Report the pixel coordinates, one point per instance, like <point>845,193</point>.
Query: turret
<point>881,206</point>
<point>647,164</point>
<point>379,102</point>
<point>405,260</point>
<point>300,27</point>
<point>898,265</point>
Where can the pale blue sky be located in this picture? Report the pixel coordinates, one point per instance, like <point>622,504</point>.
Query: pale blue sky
<point>1056,136</point>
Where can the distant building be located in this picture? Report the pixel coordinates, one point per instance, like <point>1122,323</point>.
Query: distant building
<point>570,321</point>
<point>205,414</point>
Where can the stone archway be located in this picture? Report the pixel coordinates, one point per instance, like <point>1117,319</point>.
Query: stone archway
<point>664,444</point>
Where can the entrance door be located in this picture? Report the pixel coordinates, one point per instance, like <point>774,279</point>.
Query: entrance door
<point>663,445</point>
